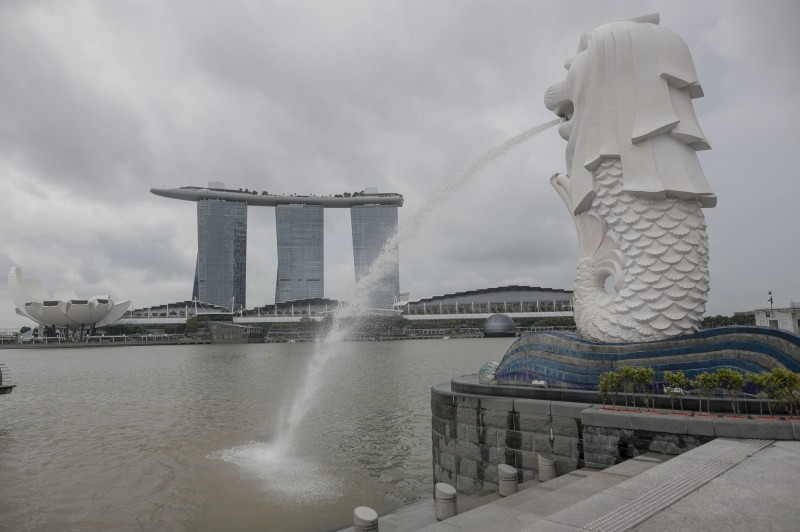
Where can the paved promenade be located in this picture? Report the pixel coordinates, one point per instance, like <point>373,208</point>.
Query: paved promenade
<point>726,484</point>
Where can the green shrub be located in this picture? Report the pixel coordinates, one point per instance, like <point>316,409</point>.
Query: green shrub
<point>733,381</point>
<point>644,378</point>
<point>786,388</point>
<point>676,384</point>
<point>627,380</point>
<point>609,386</point>
<point>781,387</point>
<point>705,382</point>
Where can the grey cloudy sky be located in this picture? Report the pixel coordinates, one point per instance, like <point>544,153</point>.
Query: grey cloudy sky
<point>101,100</point>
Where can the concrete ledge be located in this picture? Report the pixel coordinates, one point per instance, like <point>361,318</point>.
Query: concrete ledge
<point>497,403</point>
<point>700,426</point>
<point>532,406</point>
<point>659,423</point>
<point>441,393</point>
<point>606,418</point>
<point>764,429</point>
<point>573,410</point>
<point>693,425</point>
<point>468,401</point>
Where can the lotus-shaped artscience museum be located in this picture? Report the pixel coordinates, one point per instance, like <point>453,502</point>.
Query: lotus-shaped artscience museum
<point>63,308</point>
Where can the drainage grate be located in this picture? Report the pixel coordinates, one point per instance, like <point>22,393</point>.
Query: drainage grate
<point>631,514</point>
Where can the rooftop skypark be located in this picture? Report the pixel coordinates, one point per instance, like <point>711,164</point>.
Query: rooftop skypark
<point>266,199</point>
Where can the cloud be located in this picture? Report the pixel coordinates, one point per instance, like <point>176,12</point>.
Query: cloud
<point>103,100</point>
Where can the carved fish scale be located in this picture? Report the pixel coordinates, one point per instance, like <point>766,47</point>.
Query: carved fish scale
<point>663,261</point>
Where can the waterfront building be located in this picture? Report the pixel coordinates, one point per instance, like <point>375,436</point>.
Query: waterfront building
<point>374,226</point>
<point>785,319</point>
<point>62,309</point>
<point>301,264</point>
<point>515,300</point>
<point>221,270</point>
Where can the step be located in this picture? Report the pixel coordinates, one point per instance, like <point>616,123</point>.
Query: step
<point>644,496</point>
<point>534,499</point>
<point>636,493</point>
<point>421,514</point>
<point>519,511</point>
<point>725,484</point>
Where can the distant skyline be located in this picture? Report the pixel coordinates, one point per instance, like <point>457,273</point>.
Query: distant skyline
<point>103,100</point>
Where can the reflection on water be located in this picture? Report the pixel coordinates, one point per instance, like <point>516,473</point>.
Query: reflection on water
<point>183,437</point>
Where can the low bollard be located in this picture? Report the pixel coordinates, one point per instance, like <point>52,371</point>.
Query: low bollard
<point>365,519</point>
<point>507,483</point>
<point>547,467</point>
<point>444,499</point>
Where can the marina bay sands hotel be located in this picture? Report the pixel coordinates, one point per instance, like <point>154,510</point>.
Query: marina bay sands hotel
<point>221,270</point>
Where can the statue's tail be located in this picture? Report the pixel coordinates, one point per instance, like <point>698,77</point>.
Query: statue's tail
<point>643,275</point>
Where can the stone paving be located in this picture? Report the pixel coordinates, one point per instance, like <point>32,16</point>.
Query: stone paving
<point>729,484</point>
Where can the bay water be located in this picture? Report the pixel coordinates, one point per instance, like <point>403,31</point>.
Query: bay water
<point>179,437</point>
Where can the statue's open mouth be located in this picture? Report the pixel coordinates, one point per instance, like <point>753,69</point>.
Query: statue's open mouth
<point>565,111</point>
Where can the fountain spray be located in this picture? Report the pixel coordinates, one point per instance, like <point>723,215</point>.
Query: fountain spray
<point>278,452</point>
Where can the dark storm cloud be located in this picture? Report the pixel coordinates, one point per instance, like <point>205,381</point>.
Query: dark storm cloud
<point>102,100</point>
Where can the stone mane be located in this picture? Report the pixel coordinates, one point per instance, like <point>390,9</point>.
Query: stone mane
<point>628,95</point>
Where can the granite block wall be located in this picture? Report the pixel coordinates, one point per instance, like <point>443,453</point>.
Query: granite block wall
<point>472,435</point>
<point>612,436</point>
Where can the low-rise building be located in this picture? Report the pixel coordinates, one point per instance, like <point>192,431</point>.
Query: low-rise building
<point>785,319</point>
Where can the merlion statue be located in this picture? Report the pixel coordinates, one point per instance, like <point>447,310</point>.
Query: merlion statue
<point>634,185</point>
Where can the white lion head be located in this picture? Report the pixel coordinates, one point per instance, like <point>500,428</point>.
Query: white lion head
<point>627,94</point>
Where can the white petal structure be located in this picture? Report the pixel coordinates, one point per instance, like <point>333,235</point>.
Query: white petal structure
<point>64,308</point>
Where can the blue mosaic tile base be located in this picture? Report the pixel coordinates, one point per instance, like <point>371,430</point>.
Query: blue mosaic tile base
<point>562,358</point>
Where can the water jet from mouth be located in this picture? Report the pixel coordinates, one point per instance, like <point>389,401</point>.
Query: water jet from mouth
<point>349,319</point>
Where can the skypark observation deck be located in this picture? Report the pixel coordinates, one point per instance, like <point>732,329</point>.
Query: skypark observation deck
<point>220,274</point>
<point>264,199</point>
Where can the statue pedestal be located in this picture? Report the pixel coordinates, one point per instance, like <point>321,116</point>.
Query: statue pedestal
<point>569,360</point>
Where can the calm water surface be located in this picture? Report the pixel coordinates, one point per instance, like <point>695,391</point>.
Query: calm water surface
<point>178,437</point>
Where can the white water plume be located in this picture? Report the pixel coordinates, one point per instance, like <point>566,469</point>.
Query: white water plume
<point>328,348</point>
<point>410,230</point>
<point>348,318</point>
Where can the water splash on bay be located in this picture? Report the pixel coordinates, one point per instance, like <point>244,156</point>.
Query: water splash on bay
<point>275,470</point>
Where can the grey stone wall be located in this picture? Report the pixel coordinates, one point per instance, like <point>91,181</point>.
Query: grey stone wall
<point>611,436</point>
<point>604,447</point>
<point>473,434</point>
